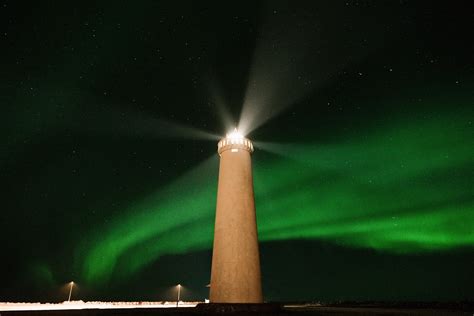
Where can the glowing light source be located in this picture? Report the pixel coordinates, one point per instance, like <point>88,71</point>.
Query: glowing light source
<point>179,294</point>
<point>234,135</point>
<point>70,290</point>
<point>234,139</point>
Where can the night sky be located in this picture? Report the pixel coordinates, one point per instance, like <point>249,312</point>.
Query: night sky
<point>361,113</point>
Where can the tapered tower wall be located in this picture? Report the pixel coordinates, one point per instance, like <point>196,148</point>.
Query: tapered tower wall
<point>235,275</point>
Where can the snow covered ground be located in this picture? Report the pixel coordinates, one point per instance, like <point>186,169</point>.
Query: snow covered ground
<point>90,305</point>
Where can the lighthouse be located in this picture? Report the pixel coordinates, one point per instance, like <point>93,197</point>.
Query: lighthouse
<point>235,273</point>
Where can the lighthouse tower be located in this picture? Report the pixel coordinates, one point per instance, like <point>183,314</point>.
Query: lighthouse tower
<point>235,275</point>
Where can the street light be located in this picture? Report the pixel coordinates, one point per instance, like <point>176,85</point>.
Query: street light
<point>179,293</point>
<point>70,290</point>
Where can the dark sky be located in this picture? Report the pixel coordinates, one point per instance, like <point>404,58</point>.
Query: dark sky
<point>360,111</point>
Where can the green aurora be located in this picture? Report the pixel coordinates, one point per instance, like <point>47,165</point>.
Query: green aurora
<point>402,188</point>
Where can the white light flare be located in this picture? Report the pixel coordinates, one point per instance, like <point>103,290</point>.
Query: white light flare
<point>235,134</point>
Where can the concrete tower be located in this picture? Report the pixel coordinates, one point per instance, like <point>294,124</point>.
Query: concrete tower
<point>235,275</point>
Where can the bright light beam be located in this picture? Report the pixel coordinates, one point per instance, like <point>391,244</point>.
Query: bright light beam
<point>134,123</point>
<point>296,53</point>
<point>220,102</point>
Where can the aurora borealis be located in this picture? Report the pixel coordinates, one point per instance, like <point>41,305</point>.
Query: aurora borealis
<point>361,194</point>
<point>362,123</point>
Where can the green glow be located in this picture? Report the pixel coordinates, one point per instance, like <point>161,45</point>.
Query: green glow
<point>405,188</point>
<point>183,203</point>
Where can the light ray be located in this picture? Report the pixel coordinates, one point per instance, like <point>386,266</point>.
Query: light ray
<point>296,56</point>
<point>220,103</point>
<point>137,124</point>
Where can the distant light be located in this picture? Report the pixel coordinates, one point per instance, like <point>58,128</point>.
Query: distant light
<point>234,150</point>
<point>70,290</point>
